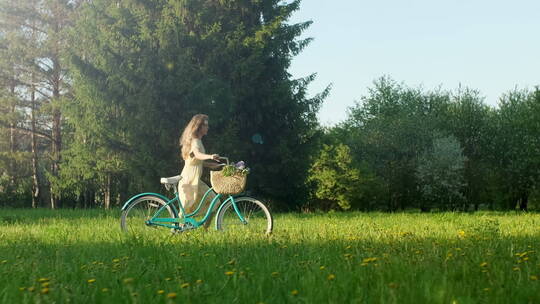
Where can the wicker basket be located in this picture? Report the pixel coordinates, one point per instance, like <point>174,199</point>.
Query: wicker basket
<point>227,184</point>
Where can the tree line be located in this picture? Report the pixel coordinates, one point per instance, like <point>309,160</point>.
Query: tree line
<point>94,95</point>
<point>403,147</point>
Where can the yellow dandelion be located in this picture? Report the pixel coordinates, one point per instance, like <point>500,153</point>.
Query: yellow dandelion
<point>44,290</point>
<point>369,260</point>
<point>534,278</point>
<point>45,284</point>
<point>91,281</point>
<point>41,280</point>
<point>331,277</point>
<point>198,281</point>
<point>171,295</point>
<point>229,273</point>
<point>483,264</point>
<point>461,233</point>
<point>161,291</point>
<point>184,285</point>
<point>294,292</point>
<point>116,260</point>
<point>322,267</point>
<point>22,288</point>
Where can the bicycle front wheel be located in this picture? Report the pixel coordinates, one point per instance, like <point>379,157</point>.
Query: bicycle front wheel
<point>257,217</point>
<point>142,209</point>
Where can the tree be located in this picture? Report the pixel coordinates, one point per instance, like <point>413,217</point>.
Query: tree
<point>389,129</point>
<point>336,180</point>
<point>37,36</point>
<point>467,119</point>
<point>440,174</point>
<point>141,70</point>
<point>517,145</point>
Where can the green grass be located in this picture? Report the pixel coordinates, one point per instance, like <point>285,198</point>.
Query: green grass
<point>80,256</point>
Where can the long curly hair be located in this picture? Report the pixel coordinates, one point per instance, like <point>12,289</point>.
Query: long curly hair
<point>192,130</point>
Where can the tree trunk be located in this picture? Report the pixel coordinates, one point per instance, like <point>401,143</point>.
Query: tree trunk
<point>523,202</point>
<point>12,144</point>
<point>56,131</point>
<point>107,194</point>
<point>35,178</point>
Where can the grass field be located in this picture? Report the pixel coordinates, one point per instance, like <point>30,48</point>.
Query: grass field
<point>80,256</point>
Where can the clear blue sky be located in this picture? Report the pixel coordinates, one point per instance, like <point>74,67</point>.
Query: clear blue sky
<point>492,46</point>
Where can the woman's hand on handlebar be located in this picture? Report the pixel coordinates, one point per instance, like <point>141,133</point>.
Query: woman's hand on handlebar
<point>216,157</point>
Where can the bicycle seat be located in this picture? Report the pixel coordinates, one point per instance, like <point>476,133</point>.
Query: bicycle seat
<point>170,180</point>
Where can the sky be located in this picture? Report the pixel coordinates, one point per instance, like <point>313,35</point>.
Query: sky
<point>489,45</point>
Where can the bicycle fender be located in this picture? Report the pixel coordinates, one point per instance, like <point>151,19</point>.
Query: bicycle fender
<point>143,194</point>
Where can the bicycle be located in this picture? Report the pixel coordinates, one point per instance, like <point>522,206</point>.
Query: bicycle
<point>154,210</point>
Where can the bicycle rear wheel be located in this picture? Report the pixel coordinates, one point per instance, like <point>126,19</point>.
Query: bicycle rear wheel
<point>258,218</point>
<point>133,219</point>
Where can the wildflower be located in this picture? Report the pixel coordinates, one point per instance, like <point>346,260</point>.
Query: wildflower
<point>198,281</point>
<point>91,281</point>
<point>322,267</point>
<point>171,295</point>
<point>22,288</point>
<point>369,260</point>
<point>294,292</point>
<point>128,280</point>
<point>41,280</point>
<point>483,264</point>
<point>44,290</point>
<point>461,233</point>
<point>116,260</point>
<point>229,273</point>
<point>534,278</point>
<point>45,284</point>
<point>161,291</point>
<point>184,285</point>
<point>331,277</point>
<point>347,255</point>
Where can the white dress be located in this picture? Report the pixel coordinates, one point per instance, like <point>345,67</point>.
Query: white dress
<point>191,188</point>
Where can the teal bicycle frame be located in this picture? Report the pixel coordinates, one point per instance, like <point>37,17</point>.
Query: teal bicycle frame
<point>187,220</point>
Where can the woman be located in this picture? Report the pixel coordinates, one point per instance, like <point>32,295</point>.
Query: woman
<point>191,188</point>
